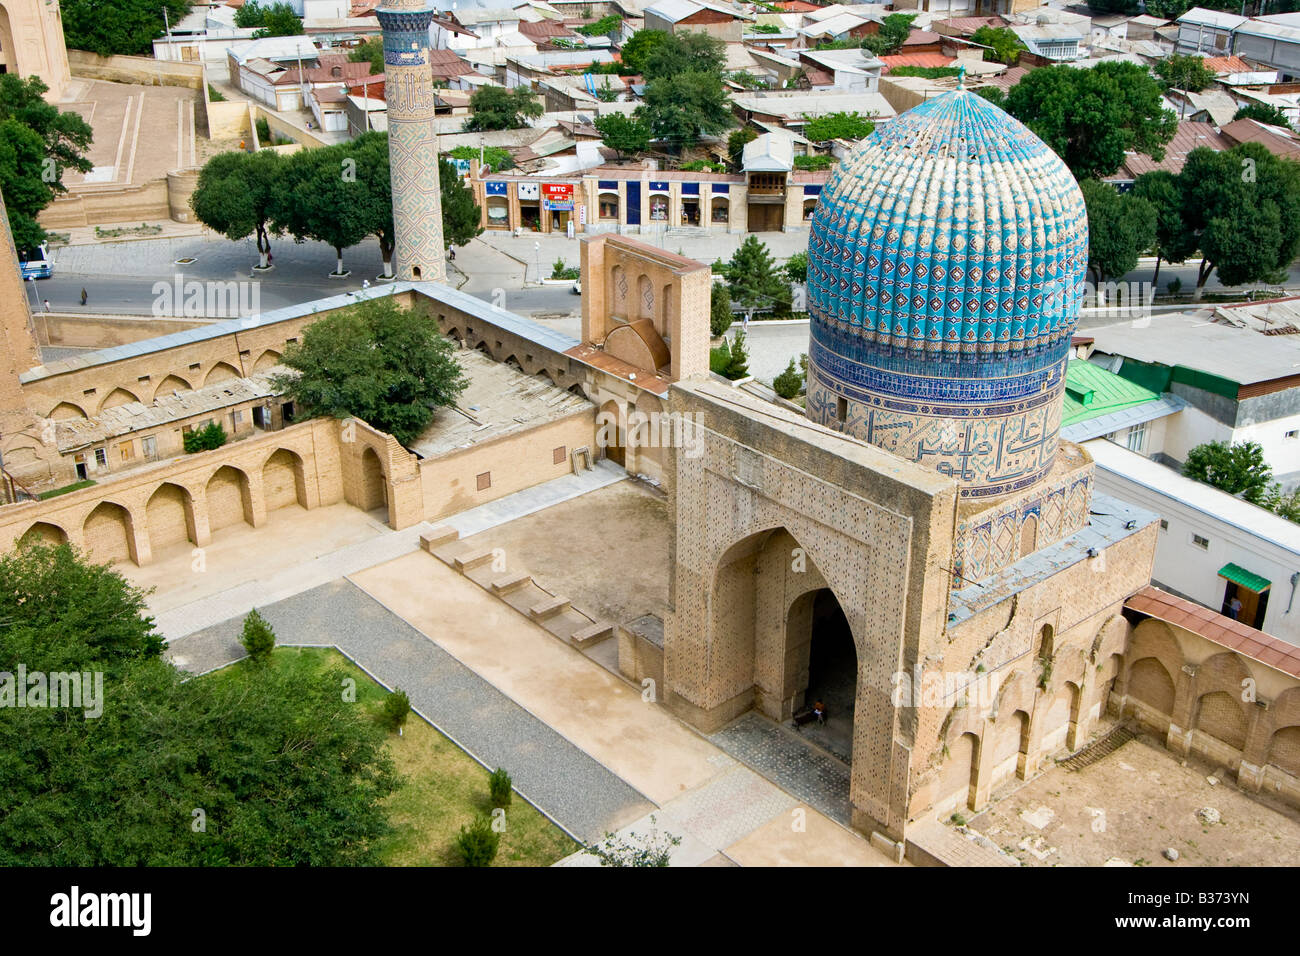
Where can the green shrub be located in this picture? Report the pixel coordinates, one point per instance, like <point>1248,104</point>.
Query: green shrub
<point>730,360</point>
<point>788,383</point>
<point>720,317</point>
<point>263,131</point>
<point>814,162</point>
<point>478,843</point>
<point>560,271</point>
<point>499,790</point>
<point>214,95</point>
<point>258,638</point>
<point>395,709</point>
<point>720,358</point>
<point>208,437</point>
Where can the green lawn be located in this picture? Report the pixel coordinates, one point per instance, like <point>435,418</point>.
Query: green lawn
<point>443,787</point>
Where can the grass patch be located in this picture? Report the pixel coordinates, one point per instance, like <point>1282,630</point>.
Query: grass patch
<point>443,787</point>
<point>75,486</point>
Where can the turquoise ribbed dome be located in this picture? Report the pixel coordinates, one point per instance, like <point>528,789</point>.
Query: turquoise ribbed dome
<point>946,261</point>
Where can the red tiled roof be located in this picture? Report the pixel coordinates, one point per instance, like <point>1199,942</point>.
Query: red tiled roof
<point>921,38</point>
<point>374,90</point>
<point>1187,137</point>
<point>916,59</point>
<point>545,30</point>
<point>797,6</point>
<point>1249,131</point>
<point>816,76</point>
<point>1228,64</point>
<point>965,26</point>
<point>445,64</point>
<point>1213,626</point>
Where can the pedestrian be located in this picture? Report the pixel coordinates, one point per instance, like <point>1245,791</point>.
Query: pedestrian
<point>819,711</point>
<point>451,254</point>
<point>83,296</point>
<point>1234,608</point>
<point>47,305</point>
<point>365,283</point>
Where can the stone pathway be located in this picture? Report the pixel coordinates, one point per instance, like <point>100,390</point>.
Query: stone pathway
<point>780,755</point>
<point>550,772</point>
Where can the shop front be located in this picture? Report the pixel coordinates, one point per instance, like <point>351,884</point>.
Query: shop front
<point>557,205</point>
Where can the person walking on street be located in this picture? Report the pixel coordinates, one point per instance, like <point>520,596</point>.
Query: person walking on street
<point>47,305</point>
<point>83,296</point>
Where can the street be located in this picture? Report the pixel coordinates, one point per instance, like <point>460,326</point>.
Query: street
<point>139,277</point>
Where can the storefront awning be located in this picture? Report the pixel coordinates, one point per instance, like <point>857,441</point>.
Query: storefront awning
<point>1239,575</point>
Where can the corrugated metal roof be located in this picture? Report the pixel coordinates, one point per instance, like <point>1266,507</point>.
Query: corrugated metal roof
<point>1089,428</point>
<point>1091,391</point>
<point>1247,579</point>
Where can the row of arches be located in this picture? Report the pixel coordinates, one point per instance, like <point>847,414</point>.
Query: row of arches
<point>182,513</point>
<point>174,382</point>
<point>1213,708</point>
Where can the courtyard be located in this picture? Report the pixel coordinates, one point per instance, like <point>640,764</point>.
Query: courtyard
<point>1133,804</point>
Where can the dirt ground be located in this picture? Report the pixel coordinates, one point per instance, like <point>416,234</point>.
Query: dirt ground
<point>606,551</point>
<point>1132,804</point>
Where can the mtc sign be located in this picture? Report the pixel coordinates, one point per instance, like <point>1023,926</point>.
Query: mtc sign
<point>557,197</point>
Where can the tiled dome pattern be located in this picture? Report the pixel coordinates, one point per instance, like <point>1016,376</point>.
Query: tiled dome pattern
<point>945,270</point>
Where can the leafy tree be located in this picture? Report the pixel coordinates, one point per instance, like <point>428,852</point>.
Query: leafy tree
<point>749,81</point>
<point>753,278</point>
<point>1120,228</point>
<point>321,195</point>
<point>461,218</point>
<point>478,843</point>
<point>1004,45</point>
<point>841,125</point>
<point>274,19</point>
<point>1283,504</point>
<point>372,52</point>
<point>126,27</point>
<point>720,317</point>
<point>894,29</point>
<point>387,366</point>
<point>1174,243</point>
<point>495,107</point>
<point>62,612</point>
<point>814,162</point>
<point>235,196</point>
<point>688,52</point>
<point>1243,208</point>
<point>636,51</point>
<point>38,141</point>
<point>788,383</point>
<point>736,143</point>
<point>500,792</point>
<point>738,365</point>
<point>607,26</point>
<point>285,772</point>
<point>1179,72</point>
<point>257,638</point>
<point>654,849</point>
<point>1239,468</point>
<point>1172,9</point>
<point>1113,6</point>
<point>204,439</point>
<point>796,267</point>
<point>496,157</point>
<point>1092,117</point>
<point>626,135</point>
<point>394,711</point>
<point>606,93</point>
<point>993,94</point>
<point>1263,113</point>
<point>682,109</point>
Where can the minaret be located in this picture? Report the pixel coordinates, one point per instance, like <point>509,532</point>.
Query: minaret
<point>412,142</point>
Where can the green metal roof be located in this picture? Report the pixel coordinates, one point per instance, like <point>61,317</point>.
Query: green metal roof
<point>1239,575</point>
<point>1091,391</point>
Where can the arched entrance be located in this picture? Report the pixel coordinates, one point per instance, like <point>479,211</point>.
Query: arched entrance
<point>818,631</point>
<point>374,487</point>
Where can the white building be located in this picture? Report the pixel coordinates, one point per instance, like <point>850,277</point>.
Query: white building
<point>1212,546</point>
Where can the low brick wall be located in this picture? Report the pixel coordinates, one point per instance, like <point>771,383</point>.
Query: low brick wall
<point>143,70</point>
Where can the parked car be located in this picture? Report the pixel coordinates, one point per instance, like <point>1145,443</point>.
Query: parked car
<point>577,287</point>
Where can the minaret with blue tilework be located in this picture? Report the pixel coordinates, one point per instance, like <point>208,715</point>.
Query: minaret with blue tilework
<point>418,251</point>
<point>946,262</point>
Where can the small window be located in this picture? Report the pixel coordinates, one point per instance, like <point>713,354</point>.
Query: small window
<point>237,417</point>
<point>558,455</point>
<point>89,391</point>
<point>290,341</point>
<point>1137,437</point>
<point>842,409</point>
<point>1292,435</point>
<point>126,450</point>
<point>143,378</point>
<point>1164,525</point>
<point>1200,542</point>
<point>149,447</point>
<point>101,457</point>
<point>485,481</point>
<point>195,367</point>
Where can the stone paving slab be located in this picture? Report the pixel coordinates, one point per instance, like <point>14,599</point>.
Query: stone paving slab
<point>779,755</point>
<point>582,795</point>
<point>728,808</point>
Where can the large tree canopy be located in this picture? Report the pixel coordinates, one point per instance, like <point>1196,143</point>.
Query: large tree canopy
<point>283,770</point>
<point>110,27</point>
<point>683,108</point>
<point>495,107</point>
<point>1120,228</point>
<point>1238,469</point>
<point>1091,117</point>
<point>1242,206</point>
<point>385,365</point>
<point>235,195</point>
<point>38,141</point>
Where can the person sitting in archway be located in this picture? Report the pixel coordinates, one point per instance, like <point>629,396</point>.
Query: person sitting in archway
<point>819,711</point>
